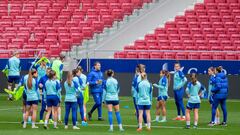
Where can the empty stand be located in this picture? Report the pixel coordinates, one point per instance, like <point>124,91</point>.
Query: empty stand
<point>210,31</point>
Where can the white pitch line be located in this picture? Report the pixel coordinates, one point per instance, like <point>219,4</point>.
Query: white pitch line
<point>16,108</point>
<point>132,126</point>
<point>6,109</point>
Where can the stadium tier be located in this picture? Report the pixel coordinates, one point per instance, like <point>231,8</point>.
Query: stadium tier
<point>209,31</point>
<point>56,25</point>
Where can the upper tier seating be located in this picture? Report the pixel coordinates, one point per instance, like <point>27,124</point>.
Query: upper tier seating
<point>56,25</point>
<point>209,31</point>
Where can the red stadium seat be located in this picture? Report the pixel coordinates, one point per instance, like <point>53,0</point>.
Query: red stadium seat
<point>168,55</point>
<point>230,56</point>
<point>206,56</point>
<point>155,55</point>
<point>131,55</point>
<point>140,42</point>
<point>218,56</point>
<point>181,56</point>
<point>119,55</point>
<point>139,47</point>
<point>129,47</point>
<point>143,55</point>
<point>193,56</point>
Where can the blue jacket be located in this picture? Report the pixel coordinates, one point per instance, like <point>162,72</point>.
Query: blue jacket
<point>92,78</point>
<point>220,89</point>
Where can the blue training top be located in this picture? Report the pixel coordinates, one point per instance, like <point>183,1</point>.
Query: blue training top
<point>179,80</point>
<point>136,80</point>
<point>144,93</point>
<point>71,91</point>
<point>162,86</point>
<point>13,66</point>
<point>33,93</point>
<point>193,92</point>
<point>112,89</point>
<point>52,87</point>
<point>79,82</point>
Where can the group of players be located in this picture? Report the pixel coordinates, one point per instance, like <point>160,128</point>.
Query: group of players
<point>43,82</point>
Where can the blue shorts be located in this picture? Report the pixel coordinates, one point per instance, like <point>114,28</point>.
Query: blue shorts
<point>164,98</point>
<point>30,103</point>
<point>114,103</point>
<point>191,106</point>
<point>24,98</point>
<point>14,79</point>
<point>52,101</point>
<point>144,107</point>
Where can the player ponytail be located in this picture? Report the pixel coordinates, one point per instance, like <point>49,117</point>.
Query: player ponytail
<point>211,68</point>
<point>30,77</point>
<point>219,69</point>
<point>51,75</point>
<point>110,73</point>
<point>75,71</point>
<point>69,79</point>
<point>193,77</point>
<point>80,69</point>
<point>143,76</point>
<point>167,74</point>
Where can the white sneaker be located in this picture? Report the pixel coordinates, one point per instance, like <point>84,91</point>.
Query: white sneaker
<point>24,126</point>
<point>154,120</point>
<point>55,127</point>
<point>66,127</point>
<point>76,128</point>
<point>34,127</point>
<point>162,121</point>
<point>110,130</point>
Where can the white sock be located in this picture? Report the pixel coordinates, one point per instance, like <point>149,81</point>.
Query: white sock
<point>149,125</point>
<point>59,116</point>
<point>111,126</point>
<point>85,114</point>
<point>24,123</point>
<point>188,123</point>
<point>164,118</point>
<point>183,117</point>
<point>10,95</point>
<point>33,124</point>
<point>46,122</point>
<point>157,117</point>
<point>140,125</point>
<point>120,126</point>
<point>218,119</point>
<point>29,118</point>
<point>55,124</point>
<point>195,123</point>
<point>179,116</point>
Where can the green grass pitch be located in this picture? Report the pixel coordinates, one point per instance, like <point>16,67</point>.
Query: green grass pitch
<point>11,116</point>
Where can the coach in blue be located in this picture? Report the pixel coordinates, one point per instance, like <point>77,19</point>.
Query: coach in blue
<point>95,80</point>
<point>220,93</point>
